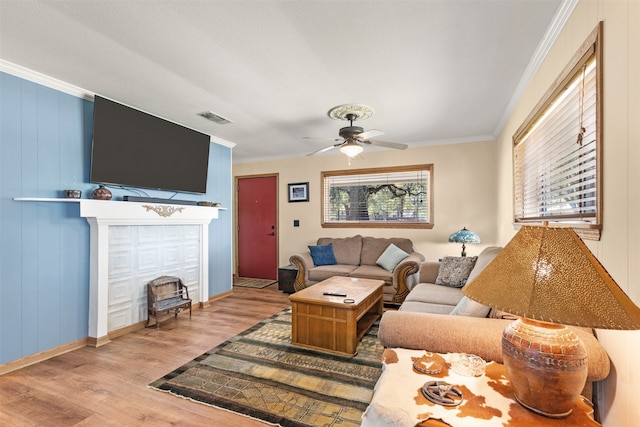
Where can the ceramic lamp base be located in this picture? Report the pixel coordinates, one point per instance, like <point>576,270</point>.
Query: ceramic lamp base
<point>546,364</point>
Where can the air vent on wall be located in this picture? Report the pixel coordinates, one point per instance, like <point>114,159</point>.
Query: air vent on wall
<point>210,115</point>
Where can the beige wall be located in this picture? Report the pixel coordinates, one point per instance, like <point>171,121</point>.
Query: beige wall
<point>618,249</point>
<point>473,184</point>
<point>464,195</point>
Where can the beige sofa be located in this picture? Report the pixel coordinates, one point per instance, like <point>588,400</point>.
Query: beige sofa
<point>427,296</point>
<point>357,256</point>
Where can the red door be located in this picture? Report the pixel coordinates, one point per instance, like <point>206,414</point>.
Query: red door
<point>257,234</point>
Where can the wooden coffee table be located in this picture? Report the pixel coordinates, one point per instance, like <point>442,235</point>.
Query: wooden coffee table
<point>328,323</point>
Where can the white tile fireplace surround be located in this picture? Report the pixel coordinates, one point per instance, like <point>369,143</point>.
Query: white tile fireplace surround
<point>141,253</point>
<point>133,243</point>
<point>155,236</point>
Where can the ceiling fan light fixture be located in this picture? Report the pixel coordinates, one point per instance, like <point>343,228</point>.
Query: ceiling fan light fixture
<point>351,149</point>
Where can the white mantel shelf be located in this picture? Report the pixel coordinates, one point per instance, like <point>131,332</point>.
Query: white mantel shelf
<point>101,214</point>
<point>118,209</point>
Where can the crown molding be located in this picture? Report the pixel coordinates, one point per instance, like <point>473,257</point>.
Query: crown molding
<point>553,31</point>
<point>222,141</point>
<point>50,82</point>
<point>44,80</point>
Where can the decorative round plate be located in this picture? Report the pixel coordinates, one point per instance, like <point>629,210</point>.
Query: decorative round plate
<point>427,365</point>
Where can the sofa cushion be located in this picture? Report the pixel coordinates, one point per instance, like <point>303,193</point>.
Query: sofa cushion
<point>391,257</point>
<point>317,274</point>
<point>346,250</point>
<point>485,257</point>
<point>372,272</point>
<point>467,306</point>
<point>323,255</point>
<point>434,294</point>
<point>470,308</point>
<point>454,271</point>
<point>424,307</point>
<point>373,247</point>
<point>428,272</point>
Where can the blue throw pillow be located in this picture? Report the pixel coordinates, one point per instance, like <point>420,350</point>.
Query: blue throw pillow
<point>323,255</point>
<point>391,257</point>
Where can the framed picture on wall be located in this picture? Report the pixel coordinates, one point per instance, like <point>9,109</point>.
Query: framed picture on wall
<point>299,192</point>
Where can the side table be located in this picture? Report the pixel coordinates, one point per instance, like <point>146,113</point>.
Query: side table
<point>287,278</point>
<point>398,400</point>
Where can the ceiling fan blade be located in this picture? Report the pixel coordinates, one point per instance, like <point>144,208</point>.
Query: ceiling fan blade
<point>369,134</point>
<point>323,138</point>
<point>387,144</point>
<point>322,150</point>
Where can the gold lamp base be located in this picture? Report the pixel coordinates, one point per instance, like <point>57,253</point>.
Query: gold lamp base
<point>546,364</point>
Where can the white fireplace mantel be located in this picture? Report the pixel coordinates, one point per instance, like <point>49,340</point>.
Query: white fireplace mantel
<point>101,214</point>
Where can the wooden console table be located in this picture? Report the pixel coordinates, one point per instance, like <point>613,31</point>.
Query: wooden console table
<point>329,323</point>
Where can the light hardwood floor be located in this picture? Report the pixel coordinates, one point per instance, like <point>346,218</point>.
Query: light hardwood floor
<point>107,386</point>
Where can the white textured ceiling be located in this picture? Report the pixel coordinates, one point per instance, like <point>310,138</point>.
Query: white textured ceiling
<point>433,71</point>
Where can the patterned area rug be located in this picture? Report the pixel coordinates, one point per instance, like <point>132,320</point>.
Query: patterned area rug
<point>248,282</point>
<point>258,373</point>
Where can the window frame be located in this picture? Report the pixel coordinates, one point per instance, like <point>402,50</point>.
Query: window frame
<point>374,224</point>
<point>592,46</point>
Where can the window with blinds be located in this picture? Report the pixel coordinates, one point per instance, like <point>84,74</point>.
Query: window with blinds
<point>384,197</point>
<point>556,152</point>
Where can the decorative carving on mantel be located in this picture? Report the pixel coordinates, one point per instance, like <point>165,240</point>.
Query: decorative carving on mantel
<point>163,210</point>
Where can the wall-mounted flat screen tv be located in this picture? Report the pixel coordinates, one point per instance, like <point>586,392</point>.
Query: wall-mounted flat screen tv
<point>134,149</point>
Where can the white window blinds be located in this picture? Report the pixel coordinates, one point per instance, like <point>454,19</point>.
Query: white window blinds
<point>556,152</point>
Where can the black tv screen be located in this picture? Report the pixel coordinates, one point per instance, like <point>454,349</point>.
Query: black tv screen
<point>134,149</point>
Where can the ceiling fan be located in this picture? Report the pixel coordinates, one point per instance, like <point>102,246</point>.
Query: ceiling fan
<point>352,138</point>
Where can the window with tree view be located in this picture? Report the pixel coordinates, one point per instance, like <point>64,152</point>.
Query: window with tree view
<point>384,197</point>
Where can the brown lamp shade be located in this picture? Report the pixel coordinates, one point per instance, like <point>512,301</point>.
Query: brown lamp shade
<point>549,274</point>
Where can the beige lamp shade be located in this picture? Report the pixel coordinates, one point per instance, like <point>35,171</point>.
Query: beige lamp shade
<point>549,274</point>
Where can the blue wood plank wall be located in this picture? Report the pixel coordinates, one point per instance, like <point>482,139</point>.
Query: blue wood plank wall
<point>220,189</point>
<point>45,145</point>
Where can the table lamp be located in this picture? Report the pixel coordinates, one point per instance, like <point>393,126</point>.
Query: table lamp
<point>550,278</point>
<point>464,236</point>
